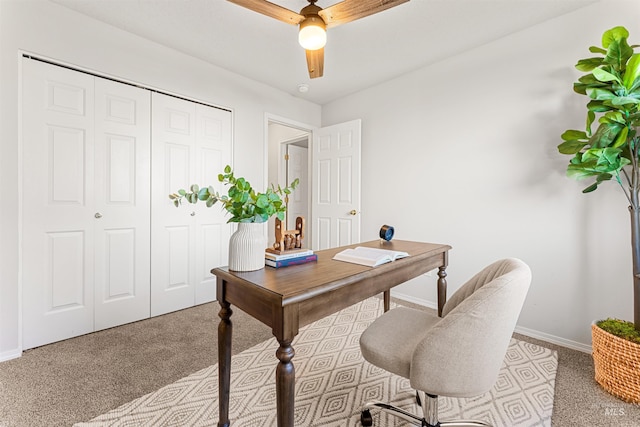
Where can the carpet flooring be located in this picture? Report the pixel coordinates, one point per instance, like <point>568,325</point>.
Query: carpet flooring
<point>333,381</point>
<point>78,379</point>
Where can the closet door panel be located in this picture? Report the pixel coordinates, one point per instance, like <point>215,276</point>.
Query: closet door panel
<point>57,203</point>
<point>191,144</point>
<point>122,210</point>
<point>213,148</point>
<point>173,231</point>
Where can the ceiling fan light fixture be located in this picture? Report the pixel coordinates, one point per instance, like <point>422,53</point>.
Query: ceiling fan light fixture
<point>313,34</point>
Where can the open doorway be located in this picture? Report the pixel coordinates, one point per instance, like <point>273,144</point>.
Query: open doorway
<point>288,158</point>
<point>329,178</point>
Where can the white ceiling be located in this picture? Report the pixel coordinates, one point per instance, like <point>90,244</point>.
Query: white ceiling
<point>358,54</point>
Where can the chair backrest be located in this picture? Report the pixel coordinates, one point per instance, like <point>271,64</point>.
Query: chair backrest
<point>461,356</point>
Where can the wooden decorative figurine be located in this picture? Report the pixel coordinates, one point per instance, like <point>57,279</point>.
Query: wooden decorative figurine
<point>288,240</point>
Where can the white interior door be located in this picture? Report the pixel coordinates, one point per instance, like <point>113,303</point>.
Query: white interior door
<point>122,187</point>
<point>335,208</point>
<point>298,167</point>
<point>57,203</point>
<point>191,144</point>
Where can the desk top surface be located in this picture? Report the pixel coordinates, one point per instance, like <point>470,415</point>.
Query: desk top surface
<point>304,280</point>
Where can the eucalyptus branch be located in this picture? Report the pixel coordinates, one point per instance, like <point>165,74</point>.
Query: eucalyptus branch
<point>242,202</point>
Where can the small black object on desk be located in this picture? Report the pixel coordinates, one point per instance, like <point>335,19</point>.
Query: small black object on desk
<point>386,232</point>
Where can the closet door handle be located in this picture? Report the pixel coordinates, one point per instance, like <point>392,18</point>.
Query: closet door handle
<point>98,215</point>
<point>192,213</point>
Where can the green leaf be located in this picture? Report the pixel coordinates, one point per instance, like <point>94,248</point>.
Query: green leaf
<point>605,76</point>
<point>600,94</point>
<point>589,79</point>
<point>618,54</point>
<point>262,201</point>
<point>182,192</point>
<point>621,139</point>
<point>632,71</point>
<point>579,172</point>
<point>203,194</point>
<point>615,33</point>
<point>589,64</point>
<point>195,188</point>
<point>571,147</point>
<point>573,134</point>
<point>591,188</point>
<point>591,116</point>
<point>625,100</point>
<point>605,134</point>
<point>597,107</point>
<point>613,116</point>
<point>595,49</point>
<point>610,157</point>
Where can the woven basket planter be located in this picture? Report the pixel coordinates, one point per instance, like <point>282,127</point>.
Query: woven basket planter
<point>617,364</point>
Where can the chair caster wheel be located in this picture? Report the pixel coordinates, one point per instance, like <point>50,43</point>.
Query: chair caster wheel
<point>365,418</point>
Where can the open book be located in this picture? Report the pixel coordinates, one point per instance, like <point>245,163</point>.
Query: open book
<point>369,256</point>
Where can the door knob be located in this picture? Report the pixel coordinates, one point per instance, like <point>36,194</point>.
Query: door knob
<point>353,212</point>
<point>98,215</point>
<point>193,213</point>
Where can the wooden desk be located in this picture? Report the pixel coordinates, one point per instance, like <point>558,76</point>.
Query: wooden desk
<point>288,298</point>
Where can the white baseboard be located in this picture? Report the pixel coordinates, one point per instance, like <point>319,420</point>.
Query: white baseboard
<point>419,301</point>
<point>574,345</point>
<point>8,355</point>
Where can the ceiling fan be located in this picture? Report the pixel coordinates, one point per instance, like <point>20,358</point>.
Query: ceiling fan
<point>314,20</point>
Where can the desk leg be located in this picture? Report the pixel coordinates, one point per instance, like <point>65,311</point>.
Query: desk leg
<point>224,362</point>
<point>387,300</point>
<point>285,384</point>
<point>442,288</point>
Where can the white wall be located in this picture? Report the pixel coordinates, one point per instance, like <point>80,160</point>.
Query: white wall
<point>464,152</point>
<point>43,28</point>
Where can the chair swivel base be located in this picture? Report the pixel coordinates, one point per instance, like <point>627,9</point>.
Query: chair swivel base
<point>429,405</point>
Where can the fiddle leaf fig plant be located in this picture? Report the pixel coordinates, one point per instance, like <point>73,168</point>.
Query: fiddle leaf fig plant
<point>611,152</point>
<point>242,202</point>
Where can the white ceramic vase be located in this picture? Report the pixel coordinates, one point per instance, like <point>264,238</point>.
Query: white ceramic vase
<point>246,247</point>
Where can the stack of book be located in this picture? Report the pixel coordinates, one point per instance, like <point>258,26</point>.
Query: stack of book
<point>285,259</point>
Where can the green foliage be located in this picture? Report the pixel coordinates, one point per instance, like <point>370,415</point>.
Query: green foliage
<point>241,201</point>
<point>612,84</point>
<point>620,328</point>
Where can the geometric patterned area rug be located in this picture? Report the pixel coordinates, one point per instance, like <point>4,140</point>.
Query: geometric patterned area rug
<point>333,381</point>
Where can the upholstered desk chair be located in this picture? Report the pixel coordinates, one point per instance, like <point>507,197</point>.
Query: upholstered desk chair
<point>457,355</point>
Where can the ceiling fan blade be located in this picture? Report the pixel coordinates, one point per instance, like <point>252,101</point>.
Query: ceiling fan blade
<point>350,10</point>
<point>271,9</point>
<point>315,62</point>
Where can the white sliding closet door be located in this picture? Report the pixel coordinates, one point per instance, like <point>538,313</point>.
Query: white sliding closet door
<point>191,144</point>
<point>85,201</point>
